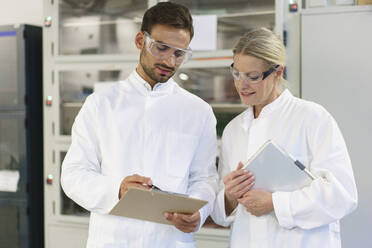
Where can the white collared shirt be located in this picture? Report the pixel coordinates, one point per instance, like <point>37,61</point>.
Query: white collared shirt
<point>308,217</point>
<point>164,133</point>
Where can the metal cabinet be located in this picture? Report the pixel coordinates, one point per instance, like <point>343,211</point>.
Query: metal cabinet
<point>345,82</point>
<point>21,146</point>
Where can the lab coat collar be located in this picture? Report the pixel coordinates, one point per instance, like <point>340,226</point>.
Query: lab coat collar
<point>144,88</point>
<point>277,103</point>
<point>248,115</point>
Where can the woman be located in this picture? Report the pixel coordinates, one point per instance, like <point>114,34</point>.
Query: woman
<point>307,217</point>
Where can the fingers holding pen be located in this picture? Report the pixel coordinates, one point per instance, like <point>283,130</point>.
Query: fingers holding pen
<point>139,179</point>
<point>136,181</point>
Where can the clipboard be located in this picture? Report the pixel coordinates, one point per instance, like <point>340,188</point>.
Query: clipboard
<point>276,170</point>
<point>150,205</point>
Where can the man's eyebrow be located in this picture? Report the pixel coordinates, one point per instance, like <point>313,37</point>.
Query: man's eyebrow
<point>161,42</point>
<point>166,44</point>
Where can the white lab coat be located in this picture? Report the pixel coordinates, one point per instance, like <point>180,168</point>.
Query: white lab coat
<point>307,217</point>
<point>166,133</point>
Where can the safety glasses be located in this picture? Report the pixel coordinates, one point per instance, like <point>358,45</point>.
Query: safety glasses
<point>252,77</point>
<point>163,51</point>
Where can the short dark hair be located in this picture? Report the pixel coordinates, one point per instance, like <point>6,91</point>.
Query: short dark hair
<point>168,13</point>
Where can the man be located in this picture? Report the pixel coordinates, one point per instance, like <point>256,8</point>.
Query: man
<point>141,132</point>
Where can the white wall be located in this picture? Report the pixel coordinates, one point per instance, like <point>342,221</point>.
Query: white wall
<point>21,11</point>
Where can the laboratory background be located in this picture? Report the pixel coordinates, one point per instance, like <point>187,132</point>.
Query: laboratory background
<point>54,53</point>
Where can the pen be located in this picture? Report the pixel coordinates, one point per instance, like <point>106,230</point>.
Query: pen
<point>298,163</point>
<point>155,187</point>
<point>303,168</point>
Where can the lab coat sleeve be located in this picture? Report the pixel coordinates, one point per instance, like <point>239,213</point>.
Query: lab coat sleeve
<point>203,173</point>
<point>219,212</point>
<point>333,193</point>
<point>81,176</point>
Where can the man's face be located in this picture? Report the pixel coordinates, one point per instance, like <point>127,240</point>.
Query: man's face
<point>152,68</point>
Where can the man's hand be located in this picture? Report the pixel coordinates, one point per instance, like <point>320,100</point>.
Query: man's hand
<point>135,181</point>
<point>184,222</point>
<point>237,183</point>
<point>257,202</point>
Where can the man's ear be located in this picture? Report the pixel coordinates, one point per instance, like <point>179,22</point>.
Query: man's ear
<point>139,40</point>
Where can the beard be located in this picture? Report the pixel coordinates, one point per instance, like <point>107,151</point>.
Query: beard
<point>150,71</point>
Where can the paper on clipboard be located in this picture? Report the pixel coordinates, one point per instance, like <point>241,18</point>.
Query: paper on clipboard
<point>275,170</point>
<point>150,205</point>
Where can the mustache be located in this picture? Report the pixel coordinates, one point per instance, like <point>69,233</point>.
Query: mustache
<point>165,67</point>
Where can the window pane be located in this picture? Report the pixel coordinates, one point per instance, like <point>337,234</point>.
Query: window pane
<point>8,68</point>
<point>234,17</point>
<point>9,146</point>
<point>75,86</point>
<point>99,27</point>
<point>68,206</point>
<point>213,85</point>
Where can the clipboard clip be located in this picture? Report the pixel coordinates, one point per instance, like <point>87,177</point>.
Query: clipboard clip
<point>155,188</point>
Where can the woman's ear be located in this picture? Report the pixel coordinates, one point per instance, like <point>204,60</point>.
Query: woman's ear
<point>139,40</point>
<point>279,72</point>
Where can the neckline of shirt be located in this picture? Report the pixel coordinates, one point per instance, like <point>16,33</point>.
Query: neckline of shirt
<point>143,87</point>
<point>248,115</point>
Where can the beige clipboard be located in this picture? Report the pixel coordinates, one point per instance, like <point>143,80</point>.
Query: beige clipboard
<point>151,204</point>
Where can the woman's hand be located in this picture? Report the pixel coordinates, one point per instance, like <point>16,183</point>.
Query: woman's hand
<point>237,183</point>
<point>257,202</point>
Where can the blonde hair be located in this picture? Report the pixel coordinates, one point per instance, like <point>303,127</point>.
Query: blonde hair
<point>264,44</point>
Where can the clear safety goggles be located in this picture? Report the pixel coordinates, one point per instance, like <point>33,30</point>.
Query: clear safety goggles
<point>252,77</point>
<point>164,51</point>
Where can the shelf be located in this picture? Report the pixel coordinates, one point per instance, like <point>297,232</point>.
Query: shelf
<point>209,7</point>
<point>228,107</point>
<point>214,231</point>
<point>138,20</point>
<point>72,104</point>
<point>94,58</point>
<point>245,14</point>
<point>212,237</point>
<point>234,107</point>
<point>336,9</point>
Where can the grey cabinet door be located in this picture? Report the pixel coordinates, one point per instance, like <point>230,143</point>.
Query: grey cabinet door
<point>13,171</point>
<point>336,72</point>
<point>12,88</point>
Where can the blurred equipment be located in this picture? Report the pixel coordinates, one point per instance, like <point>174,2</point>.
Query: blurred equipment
<point>21,140</point>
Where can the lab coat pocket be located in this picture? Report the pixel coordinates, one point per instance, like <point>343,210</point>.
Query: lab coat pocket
<point>180,151</point>
<point>180,244</point>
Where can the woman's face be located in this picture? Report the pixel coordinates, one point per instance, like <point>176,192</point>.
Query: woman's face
<point>259,93</point>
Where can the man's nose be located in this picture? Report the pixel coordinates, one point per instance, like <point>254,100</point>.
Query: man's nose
<point>171,60</point>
